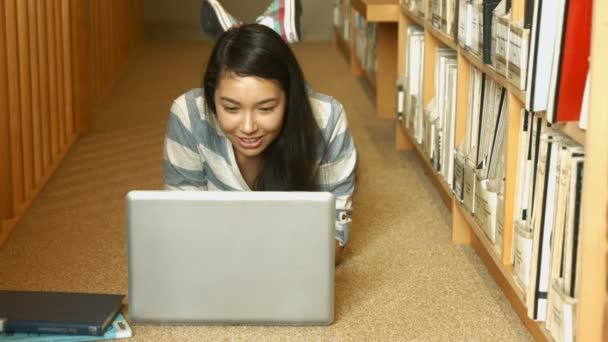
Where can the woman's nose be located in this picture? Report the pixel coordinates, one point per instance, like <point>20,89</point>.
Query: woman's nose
<point>249,125</point>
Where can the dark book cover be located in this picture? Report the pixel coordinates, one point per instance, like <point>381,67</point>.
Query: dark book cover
<point>57,312</point>
<point>488,9</point>
<point>528,14</point>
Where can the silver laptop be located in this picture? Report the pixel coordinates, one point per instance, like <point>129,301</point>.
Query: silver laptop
<point>233,257</point>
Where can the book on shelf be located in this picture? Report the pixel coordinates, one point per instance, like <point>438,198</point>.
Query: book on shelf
<point>567,151</point>
<point>561,324</point>
<point>543,228</point>
<point>421,7</point>
<point>435,13</point>
<point>445,101</point>
<point>490,7</point>
<point>542,45</point>
<point>458,180</point>
<point>476,18</point>
<point>517,61</point>
<point>584,117</point>
<point>118,329</point>
<point>413,81</point>
<point>554,221</point>
<point>522,253</point>
<point>501,48</point>
<point>57,312</point>
<point>528,14</point>
<point>571,60</point>
<point>465,9</point>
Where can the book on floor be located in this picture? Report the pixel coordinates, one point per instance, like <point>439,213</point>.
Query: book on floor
<point>119,328</point>
<point>57,312</point>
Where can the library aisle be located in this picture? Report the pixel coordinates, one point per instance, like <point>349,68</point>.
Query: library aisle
<point>401,277</point>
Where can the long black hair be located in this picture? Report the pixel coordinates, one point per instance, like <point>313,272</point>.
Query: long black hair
<point>255,50</point>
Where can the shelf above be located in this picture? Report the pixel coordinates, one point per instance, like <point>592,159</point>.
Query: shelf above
<point>378,10</point>
<point>442,36</point>
<point>490,71</point>
<point>412,16</point>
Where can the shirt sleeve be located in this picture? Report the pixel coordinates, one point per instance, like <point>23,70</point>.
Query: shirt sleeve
<point>337,170</point>
<point>183,165</point>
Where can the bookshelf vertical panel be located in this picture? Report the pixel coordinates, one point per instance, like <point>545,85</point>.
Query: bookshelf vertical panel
<point>461,231</point>
<point>430,51</point>
<point>402,139</point>
<point>592,290</point>
<point>386,77</point>
<point>511,160</point>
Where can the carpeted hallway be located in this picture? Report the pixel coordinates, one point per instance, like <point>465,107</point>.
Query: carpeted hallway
<point>401,278</point>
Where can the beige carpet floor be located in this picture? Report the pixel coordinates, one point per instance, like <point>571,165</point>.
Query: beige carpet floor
<point>401,277</point>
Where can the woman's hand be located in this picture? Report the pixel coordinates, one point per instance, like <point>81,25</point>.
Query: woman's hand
<point>338,253</point>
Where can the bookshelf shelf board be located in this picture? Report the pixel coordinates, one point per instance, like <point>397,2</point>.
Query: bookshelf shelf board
<point>378,10</point>
<point>412,16</point>
<point>572,130</point>
<point>342,44</point>
<point>487,69</point>
<point>444,189</point>
<point>504,276</point>
<point>442,36</point>
<point>518,93</point>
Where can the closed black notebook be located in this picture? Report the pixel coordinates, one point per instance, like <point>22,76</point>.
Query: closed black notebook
<point>57,312</point>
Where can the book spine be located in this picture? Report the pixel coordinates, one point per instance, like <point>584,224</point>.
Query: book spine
<point>51,328</point>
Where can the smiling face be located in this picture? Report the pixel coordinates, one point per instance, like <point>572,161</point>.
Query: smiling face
<point>250,112</point>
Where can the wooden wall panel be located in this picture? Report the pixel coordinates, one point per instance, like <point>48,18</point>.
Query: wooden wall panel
<point>6,191</point>
<point>12,74</point>
<point>35,89</point>
<point>25,96</point>
<point>45,106</point>
<point>58,59</point>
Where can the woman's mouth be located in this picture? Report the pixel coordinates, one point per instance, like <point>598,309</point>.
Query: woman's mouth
<point>250,143</point>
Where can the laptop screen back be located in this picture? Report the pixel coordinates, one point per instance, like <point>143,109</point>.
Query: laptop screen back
<point>231,257</point>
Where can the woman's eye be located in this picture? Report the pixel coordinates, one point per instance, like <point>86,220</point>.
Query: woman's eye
<point>267,109</point>
<point>231,109</point>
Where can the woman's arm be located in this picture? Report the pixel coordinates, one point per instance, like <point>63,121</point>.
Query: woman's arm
<point>182,163</point>
<point>337,172</point>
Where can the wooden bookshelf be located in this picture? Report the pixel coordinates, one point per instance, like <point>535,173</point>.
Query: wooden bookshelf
<point>592,319</point>
<point>378,10</point>
<point>342,45</point>
<point>385,13</point>
<point>593,273</point>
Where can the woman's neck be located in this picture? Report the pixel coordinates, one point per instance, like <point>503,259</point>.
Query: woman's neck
<point>250,168</point>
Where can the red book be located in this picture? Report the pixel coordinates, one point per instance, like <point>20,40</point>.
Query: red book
<point>574,61</point>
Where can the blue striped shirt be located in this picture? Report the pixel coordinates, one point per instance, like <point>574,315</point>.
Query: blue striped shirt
<point>198,156</point>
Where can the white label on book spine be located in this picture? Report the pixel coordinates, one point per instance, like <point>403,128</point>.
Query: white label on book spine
<point>523,254</point>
